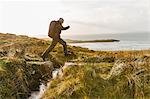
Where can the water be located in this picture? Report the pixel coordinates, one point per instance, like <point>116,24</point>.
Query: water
<point>128,41</point>
<point>38,94</point>
<point>43,87</point>
<point>115,46</point>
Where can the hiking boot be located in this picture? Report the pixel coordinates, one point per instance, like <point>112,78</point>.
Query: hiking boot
<point>67,54</point>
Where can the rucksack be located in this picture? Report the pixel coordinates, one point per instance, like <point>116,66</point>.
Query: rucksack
<point>52,26</point>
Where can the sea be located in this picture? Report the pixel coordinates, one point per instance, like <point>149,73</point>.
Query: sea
<point>115,46</point>
<point>128,41</point>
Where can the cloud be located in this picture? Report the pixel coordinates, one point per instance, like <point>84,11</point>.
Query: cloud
<point>124,15</point>
<point>88,16</point>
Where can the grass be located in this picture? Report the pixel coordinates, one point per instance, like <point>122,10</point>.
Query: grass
<point>99,76</point>
<point>12,77</point>
<point>18,78</point>
<point>87,81</point>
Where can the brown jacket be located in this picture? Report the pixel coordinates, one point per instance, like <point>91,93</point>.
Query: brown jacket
<point>55,28</point>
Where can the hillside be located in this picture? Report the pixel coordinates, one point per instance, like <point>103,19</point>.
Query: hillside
<point>93,74</point>
<point>21,68</point>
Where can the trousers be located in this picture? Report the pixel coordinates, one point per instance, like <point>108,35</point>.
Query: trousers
<point>53,44</point>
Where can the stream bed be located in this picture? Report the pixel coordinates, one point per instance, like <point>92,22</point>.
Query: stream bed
<point>43,87</point>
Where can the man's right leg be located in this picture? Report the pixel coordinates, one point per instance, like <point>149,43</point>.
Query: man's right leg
<point>61,41</point>
<point>49,49</point>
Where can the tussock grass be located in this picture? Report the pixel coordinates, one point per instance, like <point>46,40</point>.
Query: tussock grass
<point>95,81</point>
<point>92,80</point>
<point>18,79</point>
<point>12,81</point>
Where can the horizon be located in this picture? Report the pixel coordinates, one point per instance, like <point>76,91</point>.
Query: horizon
<point>144,36</point>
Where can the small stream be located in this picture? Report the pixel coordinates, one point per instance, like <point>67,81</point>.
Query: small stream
<point>43,87</point>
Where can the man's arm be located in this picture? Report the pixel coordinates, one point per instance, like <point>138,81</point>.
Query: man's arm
<point>65,28</point>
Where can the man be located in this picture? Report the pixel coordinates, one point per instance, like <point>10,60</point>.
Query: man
<point>54,32</point>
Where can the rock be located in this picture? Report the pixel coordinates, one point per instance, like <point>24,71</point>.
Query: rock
<point>120,67</point>
<point>44,67</point>
<point>117,69</point>
<point>134,67</point>
<point>39,72</point>
<point>32,57</point>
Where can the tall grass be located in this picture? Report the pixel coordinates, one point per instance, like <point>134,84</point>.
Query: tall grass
<point>87,81</point>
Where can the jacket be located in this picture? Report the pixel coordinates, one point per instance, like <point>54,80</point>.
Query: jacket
<point>55,28</point>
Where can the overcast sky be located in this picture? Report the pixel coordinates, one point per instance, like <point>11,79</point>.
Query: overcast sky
<point>32,17</point>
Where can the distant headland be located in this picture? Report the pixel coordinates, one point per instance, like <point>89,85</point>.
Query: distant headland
<point>91,41</point>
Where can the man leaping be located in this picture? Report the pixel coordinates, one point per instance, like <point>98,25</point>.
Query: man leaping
<point>54,32</point>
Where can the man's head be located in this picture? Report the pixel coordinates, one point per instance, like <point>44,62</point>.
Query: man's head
<point>61,20</point>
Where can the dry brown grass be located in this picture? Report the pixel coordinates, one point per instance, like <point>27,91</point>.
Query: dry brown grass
<point>90,80</point>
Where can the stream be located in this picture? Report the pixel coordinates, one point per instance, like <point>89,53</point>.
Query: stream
<point>43,87</point>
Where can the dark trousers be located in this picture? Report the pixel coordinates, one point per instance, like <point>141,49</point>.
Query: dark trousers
<point>53,44</point>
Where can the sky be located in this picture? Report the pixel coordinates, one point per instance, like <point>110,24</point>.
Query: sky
<point>32,17</point>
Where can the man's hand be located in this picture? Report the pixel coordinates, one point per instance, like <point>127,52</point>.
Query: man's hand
<point>68,27</point>
<point>65,28</point>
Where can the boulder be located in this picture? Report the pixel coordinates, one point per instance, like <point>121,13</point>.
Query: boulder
<point>32,57</point>
<point>121,66</point>
<point>39,72</point>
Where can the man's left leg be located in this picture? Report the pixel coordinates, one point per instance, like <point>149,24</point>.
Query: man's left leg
<point>49,49</point>
<point>61,41</point>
